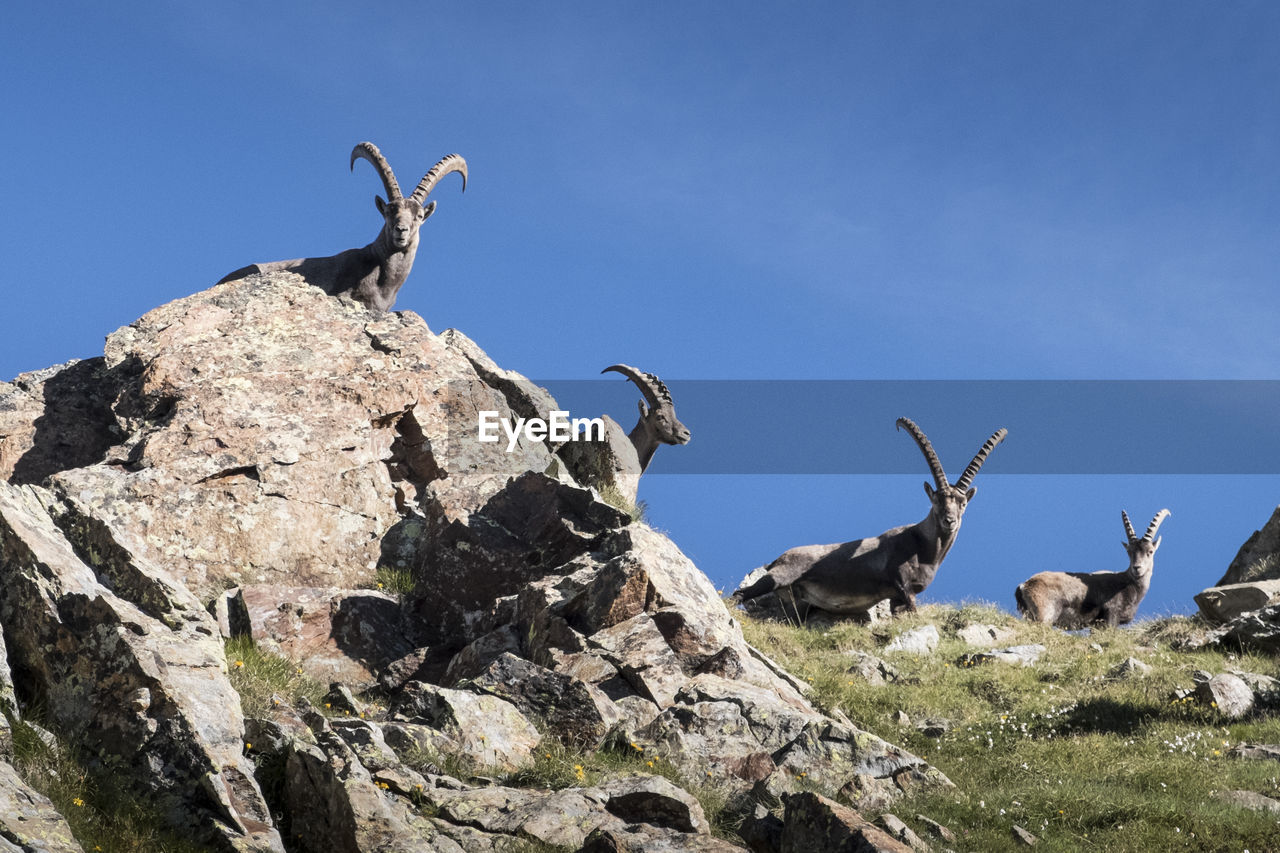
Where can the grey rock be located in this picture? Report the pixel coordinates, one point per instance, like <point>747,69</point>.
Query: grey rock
<point>1023,836</point>
<point>937,830</point>
<point>1022,655</point>
<point>813,822</point>
<point>1221,604</point>
<point>933,727</point>
<point>96,636</point>
<point>1228,693</point>
<point>571,709</point>
<point>654,800</point>
<point>1249,800</point>
<point>1129,668</point>
<point>872,669</point>
<point>1258,629</point>
<point>1257,557</point>
<point>483,729</point>
<point>901,832</point>
<point>983,635</point>
<point>1257,752</point>
<point>918,641</point>
<point>28,820</point>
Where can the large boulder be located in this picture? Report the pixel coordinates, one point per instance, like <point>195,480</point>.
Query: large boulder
<point>265,432</point>
<point>1221,604</point>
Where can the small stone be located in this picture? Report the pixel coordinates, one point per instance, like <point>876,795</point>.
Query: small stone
<point>936,829</point>
<point>900,831</point>
<point>920,641</point>
<point>984,636</point>
<point>1024,836</point>
<point>901,718</point>
<point>1228,693</point>
<point>1256,752</point>
<point>1128,668</point>
<point>933,727</point>
<point>1249,800</point>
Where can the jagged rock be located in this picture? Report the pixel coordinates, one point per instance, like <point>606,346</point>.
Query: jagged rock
<point>900,717</point>
<point>333,634</point>
<point>1258,751</point>
<point>1220,604</point>
<point>872,669</point>
<point>336,806</point>
<point>984,636</point>
<point>1266,690</point>
<point>571,709</point>
<point>479,654</point>
<point>1023,655</point>
<point>1129,668</point>
<point>1257,558</point>
<point>606,462</point>
<point>1256,628</point>
<point>1023,836</point>
<point>1228,693</point>
<point>628,840</point>
<point>130,667</point>
<point>1249,800</point>
<point>813,822</point>
<point>29,823</point>
<point>917,641</point>
<point>901,832</point>
<point>484,729</point>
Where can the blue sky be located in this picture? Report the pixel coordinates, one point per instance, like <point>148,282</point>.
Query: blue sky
<point>1001,190</point>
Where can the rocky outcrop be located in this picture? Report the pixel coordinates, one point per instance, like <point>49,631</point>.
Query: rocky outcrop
<point>240,463</point>
<point>1259,557</point>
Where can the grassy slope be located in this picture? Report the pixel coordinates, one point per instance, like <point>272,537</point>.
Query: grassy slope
<point>1080,760</point>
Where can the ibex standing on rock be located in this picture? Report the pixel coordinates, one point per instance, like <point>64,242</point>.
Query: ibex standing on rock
<point>897,565</point>
<point>1074,600</point>
<point>373,274</point>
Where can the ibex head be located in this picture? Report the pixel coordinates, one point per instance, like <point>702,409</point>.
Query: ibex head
<point>404,216</point>
<point>949,501</point>
<point>1142,551</point>
<point>660,416</point>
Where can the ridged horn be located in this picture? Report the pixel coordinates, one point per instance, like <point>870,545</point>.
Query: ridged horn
<point>1155,524</point>
<point>1128,527</point>
<point>448,163</point>
<point>650,386</point>
<point>939,476</point>
<point>976,464</point>
<point>369,151</point>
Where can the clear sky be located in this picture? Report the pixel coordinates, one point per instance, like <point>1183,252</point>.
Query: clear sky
<point>751,191</point>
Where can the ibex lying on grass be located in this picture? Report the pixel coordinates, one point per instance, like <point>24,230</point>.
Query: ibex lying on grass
<point>897,565</point>
<point>373,274</point>
<point>628,455</point>
<point>1078,599</point>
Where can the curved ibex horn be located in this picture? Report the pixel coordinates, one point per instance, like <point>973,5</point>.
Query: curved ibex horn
<point>650,386</point>
<point>939,476</point>
<point>1155,524</point>
<point>369,151</point>
<point>448,163</point>
<point>1128,528</point>
<point>976,465</point>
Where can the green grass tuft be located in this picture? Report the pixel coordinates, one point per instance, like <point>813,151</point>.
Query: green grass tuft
<point>257,675</point>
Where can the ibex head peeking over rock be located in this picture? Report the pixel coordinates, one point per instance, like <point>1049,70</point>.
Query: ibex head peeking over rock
<point>1074,600</point>
<point>373,274</point>
<point>658,423</point>
<point>851,577</point>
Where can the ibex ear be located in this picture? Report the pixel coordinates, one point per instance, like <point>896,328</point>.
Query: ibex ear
<point>427,211</point>
<point>644,412</point>
<point>1155,546</point>
<point>380,204</point>
<point>1125,545</point>
<point>928,490</point>
<point>968,496</point>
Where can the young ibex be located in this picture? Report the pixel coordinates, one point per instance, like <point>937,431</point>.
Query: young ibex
<point>373,274</point>
<point>897,565</point>
<point>1074,600</point>
<point>622,458</point>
